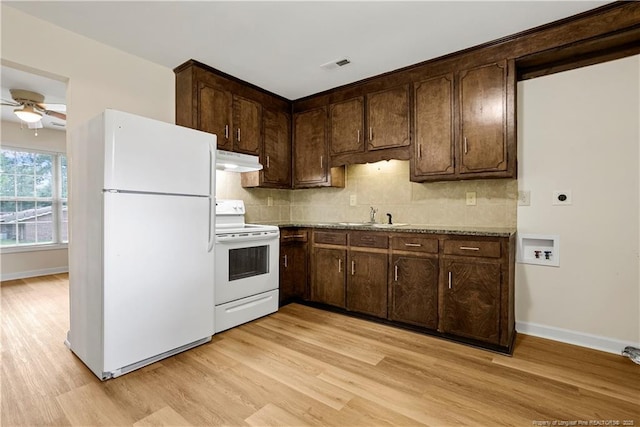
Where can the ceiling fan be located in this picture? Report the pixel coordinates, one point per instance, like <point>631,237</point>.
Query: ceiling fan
<point>33,106</point>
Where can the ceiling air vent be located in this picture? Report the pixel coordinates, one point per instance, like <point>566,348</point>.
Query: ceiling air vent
<point>332,65</point>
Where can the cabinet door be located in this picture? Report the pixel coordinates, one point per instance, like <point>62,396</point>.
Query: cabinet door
<point>388,118</point>
<point>293,271</point>
<point>346,120</point>
<point>433,152</point>
<point>471,299</point>
<point>483,118</point>
<point>247,124</point>
<point>414,291</point>
<point>215,113</point>
<point>367,283</point>
<point>276,156</point>
<point>329,276</point>
<point>310,148</point>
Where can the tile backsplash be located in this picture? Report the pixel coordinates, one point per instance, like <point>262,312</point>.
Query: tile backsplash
<point>385,186</point>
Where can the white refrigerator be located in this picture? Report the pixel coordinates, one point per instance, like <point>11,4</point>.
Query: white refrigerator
<point>141,247</point>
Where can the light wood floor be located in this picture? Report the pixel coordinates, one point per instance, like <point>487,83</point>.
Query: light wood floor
<point>303,366</point>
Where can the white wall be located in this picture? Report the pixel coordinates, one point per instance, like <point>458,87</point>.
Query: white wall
<point>97,76</point>
<point>580,131</point>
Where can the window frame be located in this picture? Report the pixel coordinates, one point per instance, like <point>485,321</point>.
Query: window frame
<point>57,203</point>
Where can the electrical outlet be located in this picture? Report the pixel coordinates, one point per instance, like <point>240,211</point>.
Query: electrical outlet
<point>353,200</point>
<point>269,201</point>
<point>562,197</point>
<point>471,198</point>
<point>524,198</point>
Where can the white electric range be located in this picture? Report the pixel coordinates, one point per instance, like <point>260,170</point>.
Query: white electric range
<point>246,267</point>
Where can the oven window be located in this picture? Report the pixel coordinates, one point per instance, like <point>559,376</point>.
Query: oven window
<point>248,262</point>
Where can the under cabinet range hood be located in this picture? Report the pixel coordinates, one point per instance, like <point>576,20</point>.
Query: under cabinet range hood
<point>236,162</point>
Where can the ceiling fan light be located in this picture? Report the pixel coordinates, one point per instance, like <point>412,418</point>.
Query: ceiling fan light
<point>28,114</point>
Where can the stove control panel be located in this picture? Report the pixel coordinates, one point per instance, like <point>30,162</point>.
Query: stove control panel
<point>229,207</point>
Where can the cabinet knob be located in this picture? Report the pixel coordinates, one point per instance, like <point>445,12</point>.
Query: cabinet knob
<point>450,280</point>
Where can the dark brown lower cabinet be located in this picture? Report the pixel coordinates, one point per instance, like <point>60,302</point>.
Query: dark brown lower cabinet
<point>328,284</point>
<point>293,272</point>
<point>413,290</point>
<point>367,283</point>
<point>455,286</point>
<point>471,297</point>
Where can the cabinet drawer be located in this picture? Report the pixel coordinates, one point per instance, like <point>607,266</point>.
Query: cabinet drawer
<point>330,237</point>
<point>414,244</point>
<point>476,248</point>
<point>369,240</point>
<point>293,235</point>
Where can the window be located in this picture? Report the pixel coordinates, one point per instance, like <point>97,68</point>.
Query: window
<point>33,198</point>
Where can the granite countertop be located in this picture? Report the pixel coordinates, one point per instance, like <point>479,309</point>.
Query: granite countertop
<point>408,228</point>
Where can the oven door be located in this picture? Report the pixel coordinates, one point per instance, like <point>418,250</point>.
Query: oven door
<point>245,266</point>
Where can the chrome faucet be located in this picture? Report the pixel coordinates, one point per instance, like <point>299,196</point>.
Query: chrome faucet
<point>372,215</point>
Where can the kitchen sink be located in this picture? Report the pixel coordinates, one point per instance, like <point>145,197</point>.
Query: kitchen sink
<point>376,225</point>
<point>399,224</point>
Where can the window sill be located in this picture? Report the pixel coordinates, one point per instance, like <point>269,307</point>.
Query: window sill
<point>33,248</point>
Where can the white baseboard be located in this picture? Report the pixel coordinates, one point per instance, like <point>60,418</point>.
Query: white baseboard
<point>33,273</point>
<point>610,345</point>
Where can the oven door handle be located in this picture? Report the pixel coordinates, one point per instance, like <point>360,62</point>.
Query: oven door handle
<point>248,238</point>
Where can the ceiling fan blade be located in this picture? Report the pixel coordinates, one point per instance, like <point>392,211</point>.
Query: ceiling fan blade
<point>10,103</point>
<point>60,108</point>
<point>56,114</point>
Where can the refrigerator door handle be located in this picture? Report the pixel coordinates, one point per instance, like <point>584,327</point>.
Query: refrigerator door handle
<point>212,197</point>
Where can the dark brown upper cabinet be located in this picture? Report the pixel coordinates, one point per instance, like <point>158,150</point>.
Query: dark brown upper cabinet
<point>247,123</point>
<point>276,158</point>
<point>464,124</point>
<point>388,118</point>
<point>483,118</point>
<point>235,120</point>
<point>310,154</point>
<point>433,127</point>
<point>212,101</point>
<point>346,120</point>
<point>215,113</point>
<point>275,155</point>
<point>361,128</point>
<point>310,148</point>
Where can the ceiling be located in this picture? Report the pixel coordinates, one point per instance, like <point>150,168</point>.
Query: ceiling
<point>280,46</point>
